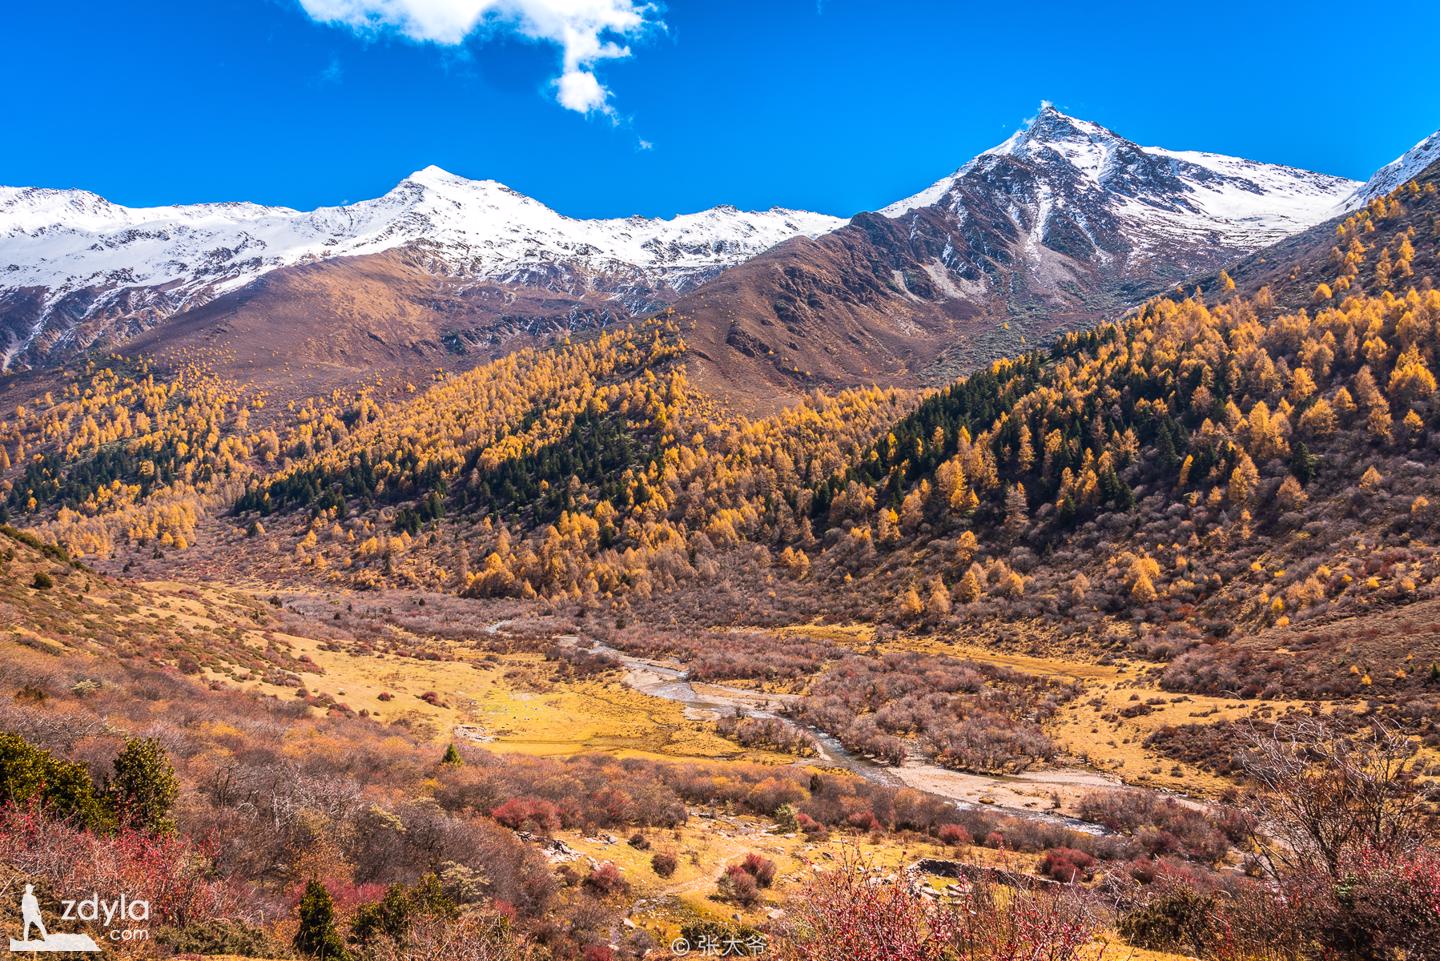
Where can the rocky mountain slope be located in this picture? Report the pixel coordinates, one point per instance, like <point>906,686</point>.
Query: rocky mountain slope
<point>77,270</point>
<point>1062,224</point>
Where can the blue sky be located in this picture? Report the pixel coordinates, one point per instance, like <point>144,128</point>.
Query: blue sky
<point>838,106</point>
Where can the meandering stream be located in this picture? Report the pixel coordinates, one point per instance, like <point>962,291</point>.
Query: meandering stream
<point>1020,795</point>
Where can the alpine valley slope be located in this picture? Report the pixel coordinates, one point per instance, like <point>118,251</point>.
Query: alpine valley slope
<point>78,271</point>
<point>1062,224</point>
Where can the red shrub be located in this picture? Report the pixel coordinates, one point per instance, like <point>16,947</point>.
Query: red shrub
<point>1067,865</point>
<point>954,834</point>
<point>605,880</point>
<point>808,824</point>
<point>863,820</point>
<point>759,867</point>
<point>169,872</point>
<point>530,814</point>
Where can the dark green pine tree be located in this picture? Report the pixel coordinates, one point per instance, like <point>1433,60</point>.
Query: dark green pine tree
<point>1303,464</point>
<point>316,937</point>
<point>452,756</point>
<point>144,788</point>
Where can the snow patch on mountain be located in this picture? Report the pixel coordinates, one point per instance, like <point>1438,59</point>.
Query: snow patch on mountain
<point>1245,203</point>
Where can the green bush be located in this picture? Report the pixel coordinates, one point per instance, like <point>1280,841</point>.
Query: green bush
<point>42,581</point>
<point>392,916</point>
<point>63,789</point>
<point>144,788</point>
<point>316,937</point>
<point>1172,918</point>
<point>217,937</point>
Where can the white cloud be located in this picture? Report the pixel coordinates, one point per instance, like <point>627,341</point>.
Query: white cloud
<point>586,31</point>
<point>580,90</point>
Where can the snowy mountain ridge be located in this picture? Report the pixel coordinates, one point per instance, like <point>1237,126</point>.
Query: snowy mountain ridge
<point>1406,167</point>
<point>78,254</point>
<point>1062,225</point>
<point>1062,222</point>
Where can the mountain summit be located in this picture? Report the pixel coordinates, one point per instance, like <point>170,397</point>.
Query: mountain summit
<point>1248,204</point>
<point>1063,223</point>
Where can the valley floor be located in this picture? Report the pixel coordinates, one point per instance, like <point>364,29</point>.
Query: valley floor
<point>522,680</point>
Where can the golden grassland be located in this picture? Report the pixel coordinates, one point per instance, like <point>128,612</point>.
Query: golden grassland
<point>1092,729</point>
<point>510,703</point>
<point>507,702</point>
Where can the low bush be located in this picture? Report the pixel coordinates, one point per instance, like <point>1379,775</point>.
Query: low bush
<point>1066,865</point>
<point>1171,917</point>
<point>605,880</point>
<point>954,834</point>
<point>738,886</point>
<point>759,867</point>
<point>218,936</point>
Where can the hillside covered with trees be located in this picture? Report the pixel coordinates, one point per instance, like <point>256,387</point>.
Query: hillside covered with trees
<point>1210,462</point>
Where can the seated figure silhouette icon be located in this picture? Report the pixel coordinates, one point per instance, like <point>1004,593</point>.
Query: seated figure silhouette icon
<point>32,921</point>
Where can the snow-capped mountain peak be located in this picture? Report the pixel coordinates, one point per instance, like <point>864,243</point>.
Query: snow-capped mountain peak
<point>67,256</point>
<point>1079,141</point>
<point>1086,146</point>
<point>1094,176</point>
<point>433,174</point>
